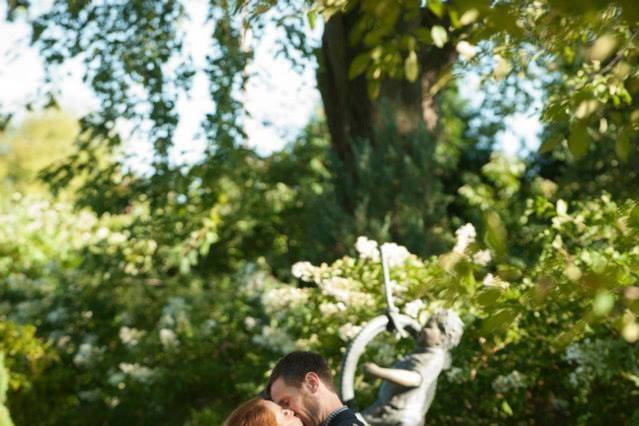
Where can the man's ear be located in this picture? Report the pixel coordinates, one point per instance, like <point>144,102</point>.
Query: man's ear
<point>312,382</point>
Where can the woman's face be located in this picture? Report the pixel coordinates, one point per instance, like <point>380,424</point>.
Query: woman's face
<point>284,416</point>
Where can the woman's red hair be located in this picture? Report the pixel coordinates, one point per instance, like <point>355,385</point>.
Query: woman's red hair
<point>252,413</point>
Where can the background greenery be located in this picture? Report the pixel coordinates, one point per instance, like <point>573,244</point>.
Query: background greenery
<point>165,297</point>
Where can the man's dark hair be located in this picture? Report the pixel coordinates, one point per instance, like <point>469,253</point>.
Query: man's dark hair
<point>294,367</point>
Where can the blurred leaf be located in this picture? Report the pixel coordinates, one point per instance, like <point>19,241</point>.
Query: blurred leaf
<point>603,47</point>
<point>505,407</point>
<point>578,140</point>
<point>411,67</point>
<point>586,108</point>
<point>496,234</point>
<point>622,146</point>
<point>468,17</point>
<point>436,7</point>
<point>499,321</point>
<point>550,143</point>
<point>603,303</point>
<point>488,297</point>
<point>439,35</point>
<point>312,18</point>
<point>358,65</point>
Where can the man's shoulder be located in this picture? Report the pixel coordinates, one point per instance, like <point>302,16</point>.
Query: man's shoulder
<point>346,418</point>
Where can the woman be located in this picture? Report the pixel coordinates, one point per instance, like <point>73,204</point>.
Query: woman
<point>261,412</point>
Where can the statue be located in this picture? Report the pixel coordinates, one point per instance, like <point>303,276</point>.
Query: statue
<point>408,387</point>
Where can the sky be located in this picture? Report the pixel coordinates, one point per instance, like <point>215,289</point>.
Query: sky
<point>280,101</point>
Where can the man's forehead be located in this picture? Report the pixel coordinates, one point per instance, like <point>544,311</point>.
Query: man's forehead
<point>279,389</point>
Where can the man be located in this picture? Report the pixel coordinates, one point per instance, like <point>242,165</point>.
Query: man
<point>302,382</point>
<point>408,387</point>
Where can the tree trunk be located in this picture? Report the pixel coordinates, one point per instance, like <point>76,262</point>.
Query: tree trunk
<point>352,116</point>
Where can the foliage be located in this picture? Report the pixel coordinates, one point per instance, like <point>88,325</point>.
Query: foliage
<point>555,337</point>
<point>5,419</point>
<point>40,141</point>
<point>164,298</point>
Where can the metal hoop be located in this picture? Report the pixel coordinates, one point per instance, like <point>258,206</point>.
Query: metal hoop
<point>355,350</point>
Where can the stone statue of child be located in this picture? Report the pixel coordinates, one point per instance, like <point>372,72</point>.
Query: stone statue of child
<point>408,387</point>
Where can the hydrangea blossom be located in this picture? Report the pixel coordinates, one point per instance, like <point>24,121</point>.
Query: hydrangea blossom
<point>395,254</point>
<point>136,371</point>
<point>277,299</point>
<point>168,338</point>
<point>328,308</point>
<point>465,236</point>
<point>491,281</point>
<point>482,257</point>
<point>342,289</point>
<point>513,381</point>
<point>275,339</point>
<point>303,271</point>
<point>348,331</point>
<point>367,249</point>
<point>130,336</point>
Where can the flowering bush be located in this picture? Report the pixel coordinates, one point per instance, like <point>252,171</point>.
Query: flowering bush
<point>543,338</point>
<point>98,315</point>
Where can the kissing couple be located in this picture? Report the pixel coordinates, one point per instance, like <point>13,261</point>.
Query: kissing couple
<point>300,392</point>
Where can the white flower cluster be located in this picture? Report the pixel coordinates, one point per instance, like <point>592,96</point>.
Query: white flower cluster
<point>482,257</point>
<point>328,308</point>
<point>174,313</point>
<point>348,331</point>
<point>465,236</point>
<point>168,338</point>
<point>367,249</point>
<point>250,323</point>
<point>275,339</point>
<point>86,355</point>
<point>342,290</point>
<point>513,381</point>
<point>277,299</point>
<point>590,359</point>
<point>455,375</point>
<point>137,372</point>
<point>130,336</point>
<point>491,281</point>
<point>304,271</point>
<point>395,254</point>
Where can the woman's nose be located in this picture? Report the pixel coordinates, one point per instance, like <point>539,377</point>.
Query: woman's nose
<point>288,412</point>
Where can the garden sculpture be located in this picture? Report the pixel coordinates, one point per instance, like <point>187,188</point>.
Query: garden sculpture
<point>408,387</point>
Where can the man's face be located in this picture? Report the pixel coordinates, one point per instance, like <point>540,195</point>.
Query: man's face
<point>300,399</point>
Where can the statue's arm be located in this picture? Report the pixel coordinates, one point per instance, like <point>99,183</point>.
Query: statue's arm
<point>398,376</point>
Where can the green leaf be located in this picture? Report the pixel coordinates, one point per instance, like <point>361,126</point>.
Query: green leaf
<point>411,66</point>
<point>373,87</point>
<point>633,218</point>
<point>358,65</point>
<point>578,140</point>
<point>436,7</point>
<point>622,146</point>
<point>495,235</point>
<point>603,47</point>
<point>312,18</point>
<point>423,35</point>
<point>603,303</point>
<point>499,321</point>
<point>488,297</point>
<point>550,143</point>
<point>505,407</point>
<point>439,35</point>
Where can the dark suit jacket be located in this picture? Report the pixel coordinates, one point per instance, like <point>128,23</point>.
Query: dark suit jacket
<point>345,418</point>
